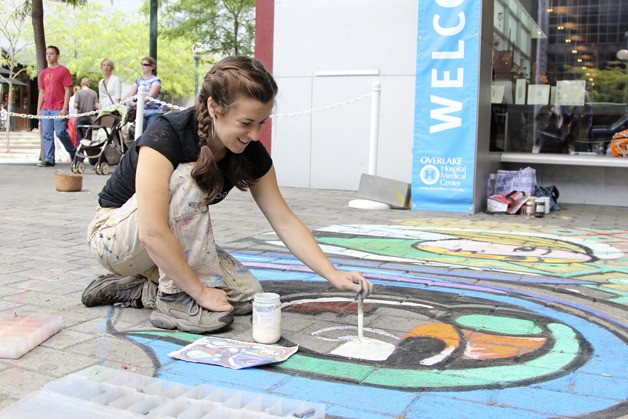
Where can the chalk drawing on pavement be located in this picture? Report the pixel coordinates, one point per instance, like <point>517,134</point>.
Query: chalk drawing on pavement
<point>458,311</point>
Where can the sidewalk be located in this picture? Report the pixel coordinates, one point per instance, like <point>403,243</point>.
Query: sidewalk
<point>472,315</point>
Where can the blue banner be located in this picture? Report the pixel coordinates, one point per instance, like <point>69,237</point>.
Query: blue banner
<point>445,118</point>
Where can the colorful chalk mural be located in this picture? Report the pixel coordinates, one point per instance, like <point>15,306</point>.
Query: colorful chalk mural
<point>465,317</point>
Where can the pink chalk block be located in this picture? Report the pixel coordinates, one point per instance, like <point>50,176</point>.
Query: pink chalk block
<point>20,334</point>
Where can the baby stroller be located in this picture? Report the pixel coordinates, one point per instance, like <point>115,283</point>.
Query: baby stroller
<point>102,145</point>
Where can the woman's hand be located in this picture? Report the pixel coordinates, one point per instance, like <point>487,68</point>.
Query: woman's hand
<point>352,281</point>
<point>213,299</point>
<point>298,237</point>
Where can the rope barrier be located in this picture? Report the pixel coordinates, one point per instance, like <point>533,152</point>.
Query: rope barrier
<point>323,108</point>
<point>180,108</point>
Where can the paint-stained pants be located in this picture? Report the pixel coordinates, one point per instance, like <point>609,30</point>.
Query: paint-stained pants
<point>113,236</point>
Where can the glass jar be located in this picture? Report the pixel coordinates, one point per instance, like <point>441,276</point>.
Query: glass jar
<point>530,207</point>
<point>266,317</point>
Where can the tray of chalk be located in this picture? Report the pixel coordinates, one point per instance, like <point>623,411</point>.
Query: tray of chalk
<point>20,334</point>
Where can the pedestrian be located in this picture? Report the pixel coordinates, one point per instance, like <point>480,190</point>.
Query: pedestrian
<point>153,222</point>
<point>152,87</point>
<point>72,120</point>
<point>86,101</point>
<point>109,87</point>
<point>55,89</point>
<point>3,116</point>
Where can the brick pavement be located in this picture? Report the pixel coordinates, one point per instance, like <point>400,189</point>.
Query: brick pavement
<point>517,316</point>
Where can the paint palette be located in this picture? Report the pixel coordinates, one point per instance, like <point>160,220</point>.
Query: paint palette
<point>108,393</point>
<point>20,334</point>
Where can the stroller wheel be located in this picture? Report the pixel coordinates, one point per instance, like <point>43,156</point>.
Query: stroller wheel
<point>73,167</point>
<point>104,168</point>
<point>80,168</point>
<point>97,168</point>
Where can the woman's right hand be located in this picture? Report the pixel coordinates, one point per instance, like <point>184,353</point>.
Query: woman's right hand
<point>213,299</point>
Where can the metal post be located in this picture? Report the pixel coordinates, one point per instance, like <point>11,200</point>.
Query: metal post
<point>153,29</point>
<point>374,137</point>
<point>196,60</point>
<point>139,116</point>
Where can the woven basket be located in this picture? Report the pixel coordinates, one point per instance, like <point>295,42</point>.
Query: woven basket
<point>68,182</point>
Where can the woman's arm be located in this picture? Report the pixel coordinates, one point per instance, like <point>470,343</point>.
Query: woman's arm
<point>153,200</point>
<point>132,91</point>
<point>298,238</point>
<point>155,88</point>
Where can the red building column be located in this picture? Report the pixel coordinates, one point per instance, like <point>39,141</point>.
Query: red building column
<point>264,35</point>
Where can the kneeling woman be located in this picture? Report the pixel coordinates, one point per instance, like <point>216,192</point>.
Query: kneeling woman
<point>153,224</point>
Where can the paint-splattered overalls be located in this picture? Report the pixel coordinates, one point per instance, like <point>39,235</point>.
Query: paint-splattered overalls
<point>113,236</point>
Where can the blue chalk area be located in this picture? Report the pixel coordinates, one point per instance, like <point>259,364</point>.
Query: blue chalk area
<point>436,408</point>
<point>260,380</point>
<point>536,401</point>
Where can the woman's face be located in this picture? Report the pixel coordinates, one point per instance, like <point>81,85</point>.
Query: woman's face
<point>242,123</point>
<point>106,69</point>
<point>147,68</point>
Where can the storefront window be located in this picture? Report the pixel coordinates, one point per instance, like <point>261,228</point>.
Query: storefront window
<point>560,76</point>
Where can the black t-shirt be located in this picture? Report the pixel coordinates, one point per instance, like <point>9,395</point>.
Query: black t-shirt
<point>175,136</point>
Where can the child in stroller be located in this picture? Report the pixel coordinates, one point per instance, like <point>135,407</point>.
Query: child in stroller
<point>102,144</point>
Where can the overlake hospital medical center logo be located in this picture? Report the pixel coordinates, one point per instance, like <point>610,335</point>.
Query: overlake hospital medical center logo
<point>430,174</point>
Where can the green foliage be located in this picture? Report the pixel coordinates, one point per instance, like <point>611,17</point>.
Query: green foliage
<point>87,35</point>
<point>17,46</point>
<point>222,27</point>
<point>610,84</point>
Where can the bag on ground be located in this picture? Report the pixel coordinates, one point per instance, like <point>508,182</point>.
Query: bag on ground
<point>552,192</point>
<point>523,180</point>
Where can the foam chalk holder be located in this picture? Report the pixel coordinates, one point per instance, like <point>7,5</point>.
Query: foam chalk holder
<point>20,334</point>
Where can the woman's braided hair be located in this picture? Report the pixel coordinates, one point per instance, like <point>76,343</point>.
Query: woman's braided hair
<point>228,80</point>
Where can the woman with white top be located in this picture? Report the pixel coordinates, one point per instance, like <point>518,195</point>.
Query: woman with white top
<point>109,87</point>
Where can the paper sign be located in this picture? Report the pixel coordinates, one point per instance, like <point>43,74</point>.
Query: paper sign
<point>520,92</point>
<point>232,353</point>
<point>570,92</point>
<point>497,94</point>
<point>538,94</point>
<point>507,86</point>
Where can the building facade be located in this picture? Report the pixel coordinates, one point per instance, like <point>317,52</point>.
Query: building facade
<point>550,90</point>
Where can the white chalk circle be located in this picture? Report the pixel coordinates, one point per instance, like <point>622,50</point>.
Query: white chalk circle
<point>364,348</point>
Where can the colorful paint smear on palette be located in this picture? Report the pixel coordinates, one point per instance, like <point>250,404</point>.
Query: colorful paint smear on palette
<point>465,316</point>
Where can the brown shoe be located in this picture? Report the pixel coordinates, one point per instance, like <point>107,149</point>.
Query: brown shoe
<point>114,289</point>
<point>180,311</point>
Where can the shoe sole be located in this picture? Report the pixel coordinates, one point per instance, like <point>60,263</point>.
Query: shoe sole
<point>88,297</point>
<point>163,321</point>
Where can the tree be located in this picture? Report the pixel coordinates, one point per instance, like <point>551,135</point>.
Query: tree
<point>16,48</point>
<point>87,35</point>
<point>223,27</point>
<point>37,17</point>
<point>611,83</point>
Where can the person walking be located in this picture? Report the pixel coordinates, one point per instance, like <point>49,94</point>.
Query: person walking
<point>85,101</point>
<point>72,121</point>
<point>153,223</point>
<point>109,87</point>
<point>3,116</point>
<point>55,89</point>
